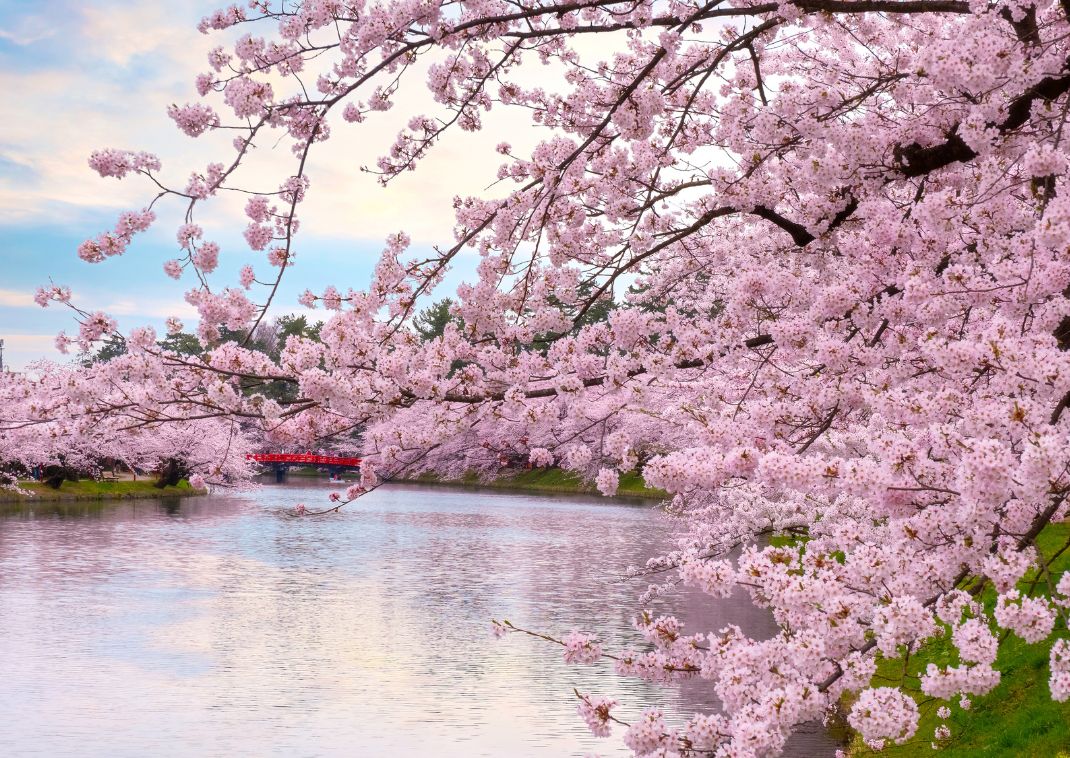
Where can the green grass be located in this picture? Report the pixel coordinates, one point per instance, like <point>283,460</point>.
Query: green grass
<point>88,489</point>
<point>1017,718</point>
<point>548,480</point>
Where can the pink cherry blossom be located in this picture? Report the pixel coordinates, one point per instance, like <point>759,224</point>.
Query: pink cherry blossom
<point>607,481</point>
<point>802,267</point>
<point>581,648</point>
<point>884,713</point>
<point>596,713</point>
<point>194,119</point>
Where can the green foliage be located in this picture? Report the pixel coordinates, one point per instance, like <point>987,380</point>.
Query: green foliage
<point>182,343</point>
<point>270,338</point>
<point>296,326</point>
<point>112,347</point>
<point>431,322</point>
<point>598,311</point>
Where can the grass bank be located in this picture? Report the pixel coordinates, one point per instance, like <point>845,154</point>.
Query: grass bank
<point>535,480</point>
<point>1017,718</point>
<point>88,489</point>
<point>546,480</point>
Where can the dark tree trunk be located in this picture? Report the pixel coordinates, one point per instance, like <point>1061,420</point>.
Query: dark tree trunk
<point>54,476</point>
<point>171,473</point>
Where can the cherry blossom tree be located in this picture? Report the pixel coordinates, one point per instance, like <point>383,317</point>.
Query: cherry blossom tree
<point>58,416</point>
<point>834,234</point>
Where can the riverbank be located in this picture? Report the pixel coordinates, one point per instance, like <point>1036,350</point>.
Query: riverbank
<point>1018,717</point>
<point>88,489</point>
<point>549,480</point>
<point>552,480</point>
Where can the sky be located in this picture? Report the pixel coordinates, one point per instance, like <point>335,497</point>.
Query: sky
<point>80,75</point>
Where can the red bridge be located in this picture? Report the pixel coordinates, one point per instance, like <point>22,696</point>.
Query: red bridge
<point>294,459</point>
<point>282,461</point>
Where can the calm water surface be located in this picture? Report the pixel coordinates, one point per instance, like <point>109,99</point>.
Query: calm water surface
<point>221,626</point>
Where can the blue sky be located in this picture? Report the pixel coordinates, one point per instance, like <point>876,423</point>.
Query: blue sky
<point>85,74</point>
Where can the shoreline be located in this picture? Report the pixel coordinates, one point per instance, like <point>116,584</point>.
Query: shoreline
<point>545,480</point>
<point>87,490</point>
<point>540,482</point>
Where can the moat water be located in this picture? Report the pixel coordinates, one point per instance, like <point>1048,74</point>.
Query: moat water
<point>223,626</point>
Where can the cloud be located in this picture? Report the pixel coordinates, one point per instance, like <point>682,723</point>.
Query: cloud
<point>141,59</point>
<point>109,85</point>
<point>102,74</point>
<point>27,341</point>
<point>122,34</point>
<point>16,299</point>
<point>22,349</point>
<point>27,30</point>
<point>154,309</point>
<point>124,62</point>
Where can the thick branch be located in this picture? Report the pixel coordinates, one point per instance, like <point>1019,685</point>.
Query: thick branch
<point>915,160</point>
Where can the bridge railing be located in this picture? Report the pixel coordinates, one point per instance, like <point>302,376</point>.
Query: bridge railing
<point>317,460</point>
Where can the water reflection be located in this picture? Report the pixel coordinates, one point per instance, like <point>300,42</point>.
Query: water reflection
<point>221,626</point>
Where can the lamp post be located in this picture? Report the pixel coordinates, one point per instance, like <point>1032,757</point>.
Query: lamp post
<point>1,356</point>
